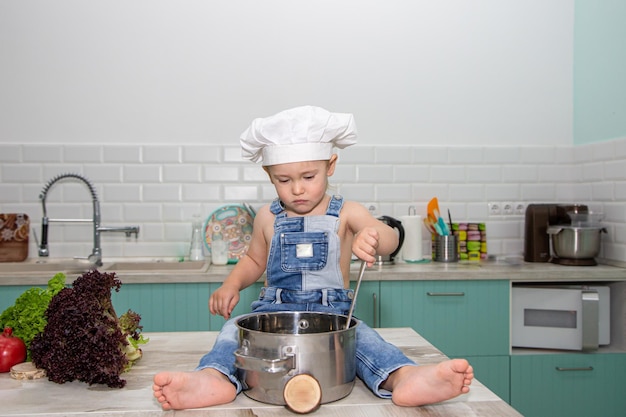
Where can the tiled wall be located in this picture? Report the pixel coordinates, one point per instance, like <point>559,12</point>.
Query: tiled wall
<point>159,188</point>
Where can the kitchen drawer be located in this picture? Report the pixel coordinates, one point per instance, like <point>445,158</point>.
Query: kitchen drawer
<point>569,385</point>
<point>460,318</point>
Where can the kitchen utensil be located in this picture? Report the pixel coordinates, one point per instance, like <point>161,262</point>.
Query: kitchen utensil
<point>578,245</point>
<point>356,292</point>
<point>233,225</point>
<point>275,348</point>
<point>429,225</point>
<point>433,205</point>
<point>445,248</point>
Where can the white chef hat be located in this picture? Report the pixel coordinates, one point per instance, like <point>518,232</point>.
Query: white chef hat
<point>306,133</point>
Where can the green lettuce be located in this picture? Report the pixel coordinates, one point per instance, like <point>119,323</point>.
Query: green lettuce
<point>27,316</point>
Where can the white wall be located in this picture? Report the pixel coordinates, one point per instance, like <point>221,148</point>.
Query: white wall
<point>449,72</point>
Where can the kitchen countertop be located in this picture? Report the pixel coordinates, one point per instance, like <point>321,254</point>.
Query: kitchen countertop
<point>181,351</point>
<point>513,269</point>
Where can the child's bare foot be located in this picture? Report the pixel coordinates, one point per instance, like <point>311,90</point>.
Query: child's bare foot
<point>181,390</point>
<point>427,384</point>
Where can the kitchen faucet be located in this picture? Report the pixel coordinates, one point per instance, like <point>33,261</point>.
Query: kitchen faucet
<point>96,254</point>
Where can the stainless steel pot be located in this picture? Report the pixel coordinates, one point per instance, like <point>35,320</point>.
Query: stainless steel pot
<point>276,347</point>
<point>575,242</point>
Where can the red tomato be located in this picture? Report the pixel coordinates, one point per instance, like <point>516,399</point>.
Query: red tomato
<point>12,350</point>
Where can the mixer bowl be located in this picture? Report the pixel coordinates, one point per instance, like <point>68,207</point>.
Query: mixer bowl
<point>576,242</point>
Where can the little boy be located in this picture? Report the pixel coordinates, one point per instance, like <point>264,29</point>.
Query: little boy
<point>309,270</point>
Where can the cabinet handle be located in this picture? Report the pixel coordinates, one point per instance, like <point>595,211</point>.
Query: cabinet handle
<point>584,368</point>
<point>445,294</point>
<point>375,310</point>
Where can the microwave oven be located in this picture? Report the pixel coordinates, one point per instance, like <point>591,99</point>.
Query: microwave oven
<point>570,317</point>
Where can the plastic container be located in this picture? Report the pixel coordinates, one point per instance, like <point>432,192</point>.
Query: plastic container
<point>196,245</point>
<point>219,250</point>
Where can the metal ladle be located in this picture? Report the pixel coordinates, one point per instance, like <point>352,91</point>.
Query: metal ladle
<point>356,292</point>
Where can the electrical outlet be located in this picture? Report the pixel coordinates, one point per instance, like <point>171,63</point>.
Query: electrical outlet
<point>372,208</point>
<point>494,209</point>
<point>507,208</point>
<point>520,208</point>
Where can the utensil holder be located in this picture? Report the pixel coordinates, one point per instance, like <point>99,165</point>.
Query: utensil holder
<point>445,249</point>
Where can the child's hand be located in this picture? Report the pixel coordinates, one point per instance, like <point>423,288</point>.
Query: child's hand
<point>365,244</point>
<point>223,301</point>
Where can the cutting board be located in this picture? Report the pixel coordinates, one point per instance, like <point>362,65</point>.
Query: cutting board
<point>14,231</point>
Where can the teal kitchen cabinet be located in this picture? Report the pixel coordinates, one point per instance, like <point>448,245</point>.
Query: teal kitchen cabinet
<point>460,318</point>
<point>467,319</point>
<point>177,306</point>
<point>493,371</point>
<point>367,305</point>
<point>569,385</point>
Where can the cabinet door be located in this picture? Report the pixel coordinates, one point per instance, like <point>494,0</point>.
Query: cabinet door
<point>569,385</point>
<point>367,305</point>
<point>166,307</point>
<point>459,317</point>
<point>492,372</point>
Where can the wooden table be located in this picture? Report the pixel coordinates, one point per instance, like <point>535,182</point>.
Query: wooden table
<point>182,351</point>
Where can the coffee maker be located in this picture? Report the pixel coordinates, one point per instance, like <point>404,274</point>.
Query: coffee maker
<point>538,218</point>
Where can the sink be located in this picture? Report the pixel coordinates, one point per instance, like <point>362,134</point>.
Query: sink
<point>39,266</point>
<point>155,265</point>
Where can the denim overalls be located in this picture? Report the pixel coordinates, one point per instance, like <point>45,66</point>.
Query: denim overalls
<point>303,274</point>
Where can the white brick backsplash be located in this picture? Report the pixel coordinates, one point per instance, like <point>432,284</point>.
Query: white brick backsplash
<point>82,153</point>
<point>99,174</point>
<point>410,173</point>
<point>161,192</point>
<point>218,173</point>
<point>233,154</point>
<point>160,187</point>
<point>164,154</point>
<point>484,174</point>
<point>538,155</point>
<point>201,192</point>
<point>614,170</point>
<point>393,154</point>
<point>502,155</point>
<point>182,173</point>
<point>20,173</point>
<point>466,192</point>
<point>519,173</point>
<point>120,154</point>
<point>142,173</point>
<point>241,193</point>
<point>356,155</point>
<point>202,154</point>
<point>375,174</point>
<point>501,192</point>
<point>465,155</point>
<point>42,153</point>
<point>448,173</point>
<point>122,193</point>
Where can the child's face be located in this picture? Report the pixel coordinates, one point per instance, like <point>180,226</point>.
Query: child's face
<point>301,186</point>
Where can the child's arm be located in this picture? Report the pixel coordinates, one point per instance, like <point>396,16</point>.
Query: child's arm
<point>246,272</point>
<point>371,236</point>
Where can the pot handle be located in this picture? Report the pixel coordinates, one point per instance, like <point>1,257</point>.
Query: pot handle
<point>272,366</point>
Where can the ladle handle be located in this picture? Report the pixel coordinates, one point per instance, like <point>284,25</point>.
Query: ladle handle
<point>356,292</point>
